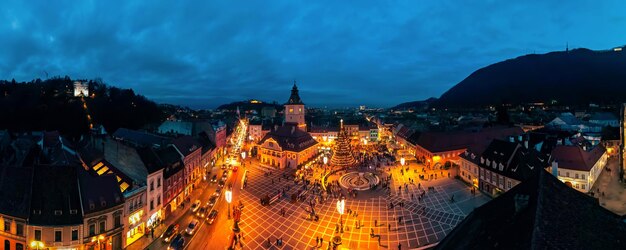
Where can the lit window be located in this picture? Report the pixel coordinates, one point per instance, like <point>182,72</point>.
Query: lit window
<point>290,110</point>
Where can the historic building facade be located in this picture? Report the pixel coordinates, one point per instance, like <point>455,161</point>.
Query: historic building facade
<point>289,145</point>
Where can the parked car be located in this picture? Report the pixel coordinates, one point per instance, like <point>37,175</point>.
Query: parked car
<point>170,232</point>
<point>192,227</point>
<point>217,192</point>
<point>202,212</point>
<point>221,183</point>
<point>195,206</point>
<point>212,216</point>
<point>214,178</point>
<point>178,243</point>
<point>212,201</point>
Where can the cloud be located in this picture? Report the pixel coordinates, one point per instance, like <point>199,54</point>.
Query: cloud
<point>205,53</point>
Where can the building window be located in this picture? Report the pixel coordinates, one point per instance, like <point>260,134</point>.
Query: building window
<point>566,174</point>
<point>583,186</point>
<point>152,185</point>
<point>102,227</point>
<point>7,245</point>
<point>583,177</point>
<point>159,182</point>
<point>509,185</point>
<point>74,234</point>
<point>58,236</point>
<point>7,225</point>
<point>92,229</point>
<point>577,186</point>
<point>20,229</point>
<point>19,246</point>
<point>158,200</point>
<point>38,235</point>
<point>118,220</point>
<point>576,176</point>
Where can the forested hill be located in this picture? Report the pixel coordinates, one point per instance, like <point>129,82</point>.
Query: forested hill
<point>51,105</point>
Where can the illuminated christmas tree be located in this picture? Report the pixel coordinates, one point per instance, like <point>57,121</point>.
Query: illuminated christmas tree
<point>342,152</point>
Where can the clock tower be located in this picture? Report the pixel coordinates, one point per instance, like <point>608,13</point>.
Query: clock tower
<point>294,109</point>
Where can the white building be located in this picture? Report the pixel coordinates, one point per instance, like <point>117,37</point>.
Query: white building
<point>81,89</point>
<point>578,167</point>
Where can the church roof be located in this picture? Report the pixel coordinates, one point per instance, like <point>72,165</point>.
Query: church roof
<point>290,138</point>
<point>295,97</point>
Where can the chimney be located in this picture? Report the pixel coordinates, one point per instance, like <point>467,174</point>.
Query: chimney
<point>521,202</point>
<point>555,169</point>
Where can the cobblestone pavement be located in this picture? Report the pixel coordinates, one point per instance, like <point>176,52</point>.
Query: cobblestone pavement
<point>423,222</point>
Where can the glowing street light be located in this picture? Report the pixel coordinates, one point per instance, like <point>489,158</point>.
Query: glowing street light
<point>36,245</point>
<point>229,198</point>
<point>402,161</point>
<point>243,155</point>
<point>341,205</point>
<point>325,160</point>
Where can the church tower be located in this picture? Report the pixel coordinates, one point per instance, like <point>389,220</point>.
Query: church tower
<point>294,109</point>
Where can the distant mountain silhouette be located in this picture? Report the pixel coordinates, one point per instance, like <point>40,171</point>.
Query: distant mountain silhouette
<point>249,105</point>
<point>575,77</point>
<point>415,105</point>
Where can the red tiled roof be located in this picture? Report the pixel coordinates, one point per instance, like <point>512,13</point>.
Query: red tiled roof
<point>290,138</point>
<point>575,158</point>
<point>448,141</point>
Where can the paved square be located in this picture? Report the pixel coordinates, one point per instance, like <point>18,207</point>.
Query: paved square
<point>423,222</point>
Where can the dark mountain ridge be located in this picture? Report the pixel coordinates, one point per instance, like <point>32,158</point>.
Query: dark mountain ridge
<point>579,76</point>
<point>573,77</point>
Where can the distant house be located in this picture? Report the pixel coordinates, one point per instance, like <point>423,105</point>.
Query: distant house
<point>500,166</point>
<point>568,122</point>
<point>434,147</point>
<point>578,167</point>
<point>604,119</point>
<point>539,213</point>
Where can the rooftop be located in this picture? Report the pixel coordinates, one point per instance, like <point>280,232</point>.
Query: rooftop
<point>554,217</point>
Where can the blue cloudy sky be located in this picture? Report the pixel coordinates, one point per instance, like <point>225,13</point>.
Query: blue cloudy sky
<point>205,53</point>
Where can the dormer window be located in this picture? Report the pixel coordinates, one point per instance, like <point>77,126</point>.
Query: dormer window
<point>73,211</point>
<point>58,212</point>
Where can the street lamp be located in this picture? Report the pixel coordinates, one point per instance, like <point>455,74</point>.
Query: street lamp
<point>402,161</point>
<point>36,245</point>
<point>341,204</point>
<point>325,160</point>
<point>229,198</point>
<point>243,155</point>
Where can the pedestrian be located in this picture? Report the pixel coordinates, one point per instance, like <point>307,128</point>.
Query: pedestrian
<point>389,227</point>
<point>317,241</point>
<point>379,240</point>
<point>399,246</point>
<point>269,243</point>
<point>375,223</point>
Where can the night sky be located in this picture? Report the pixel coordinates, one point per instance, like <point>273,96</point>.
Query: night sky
<point>206,53</point>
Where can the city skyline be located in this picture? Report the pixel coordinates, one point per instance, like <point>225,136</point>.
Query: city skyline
<point>202,55</point>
